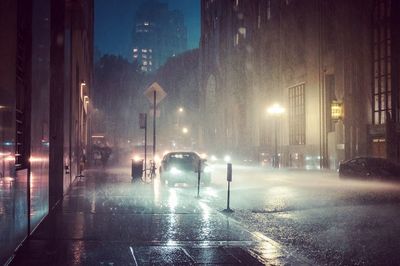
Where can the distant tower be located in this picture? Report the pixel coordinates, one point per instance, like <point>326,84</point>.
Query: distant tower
<point>157,35</point>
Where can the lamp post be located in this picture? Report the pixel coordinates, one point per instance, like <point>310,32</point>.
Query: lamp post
<point>276,111</point>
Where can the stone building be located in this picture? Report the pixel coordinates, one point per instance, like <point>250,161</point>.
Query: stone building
<point>332,65</point>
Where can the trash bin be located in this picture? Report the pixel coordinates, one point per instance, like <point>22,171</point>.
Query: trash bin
<point>137,170</point>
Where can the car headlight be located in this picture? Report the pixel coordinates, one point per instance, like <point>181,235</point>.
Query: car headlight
<point>207,169</point>
<point>227,158</point>
<point>137,158</point>
<point>157,158</point>
<point>175,171</point>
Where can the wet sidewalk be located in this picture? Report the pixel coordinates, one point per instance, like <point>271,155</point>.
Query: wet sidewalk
<point>107,220</point>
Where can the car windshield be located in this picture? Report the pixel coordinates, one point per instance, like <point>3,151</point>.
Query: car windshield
<point>186,159</point>
<point>182,157</point>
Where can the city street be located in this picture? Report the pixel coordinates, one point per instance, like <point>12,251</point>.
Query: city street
<point>327,220</point>
<point>105,219</point>
<point>280,217</point>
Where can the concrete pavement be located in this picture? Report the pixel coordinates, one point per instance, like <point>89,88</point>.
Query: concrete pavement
<point>107,220</point>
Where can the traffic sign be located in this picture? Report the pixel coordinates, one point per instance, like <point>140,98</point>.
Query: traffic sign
<point>160,93</point>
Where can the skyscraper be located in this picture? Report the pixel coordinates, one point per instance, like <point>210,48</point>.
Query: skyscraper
<point>158,34</point>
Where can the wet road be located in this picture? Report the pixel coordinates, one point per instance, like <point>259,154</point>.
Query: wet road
<point>281,217</point>
<point>107,220</point>
<point>328,220</point>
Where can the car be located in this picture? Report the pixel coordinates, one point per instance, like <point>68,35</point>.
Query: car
<point>370,168</point>
<point>181,167</point>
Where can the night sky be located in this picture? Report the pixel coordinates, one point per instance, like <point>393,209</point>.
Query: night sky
<point>114,23</point>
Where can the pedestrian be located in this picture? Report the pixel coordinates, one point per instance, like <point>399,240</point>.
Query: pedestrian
<point>82,162</point>
<point>105,155</point>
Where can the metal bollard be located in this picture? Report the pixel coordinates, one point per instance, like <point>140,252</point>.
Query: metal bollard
<point>198,178</point>
<point>229,179</point>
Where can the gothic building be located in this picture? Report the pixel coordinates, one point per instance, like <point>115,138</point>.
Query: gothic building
<point>332,65</point>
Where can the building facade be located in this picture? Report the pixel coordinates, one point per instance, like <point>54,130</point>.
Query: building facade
<point>45,79</point>
<point>159,33</point>
<point>332,65</point>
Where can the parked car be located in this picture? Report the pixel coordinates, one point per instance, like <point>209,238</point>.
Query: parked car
<point>370,168</point>
<point>181,167</point>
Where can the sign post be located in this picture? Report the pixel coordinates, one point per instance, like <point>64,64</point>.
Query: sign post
<point>155,93</point>
<point>154,122</point>
<point>143,125</point>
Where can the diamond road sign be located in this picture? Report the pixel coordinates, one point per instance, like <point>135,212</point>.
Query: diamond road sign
<point>160,93</point>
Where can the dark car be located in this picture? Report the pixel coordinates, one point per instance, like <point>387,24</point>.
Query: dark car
<point>181,167</point>
<point>370,168</point>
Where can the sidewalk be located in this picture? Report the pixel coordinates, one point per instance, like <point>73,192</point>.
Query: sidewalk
<point>107,220</point>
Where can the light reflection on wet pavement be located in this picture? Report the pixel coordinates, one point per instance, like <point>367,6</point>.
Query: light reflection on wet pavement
<point>315,213</point>
<point>107,220</point>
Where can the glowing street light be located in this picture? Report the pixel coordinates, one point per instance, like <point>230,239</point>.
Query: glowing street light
<point>185,130</point>
<point>276,110</point>
<point>180,110</point>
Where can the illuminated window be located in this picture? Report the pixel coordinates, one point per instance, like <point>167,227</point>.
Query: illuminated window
<point>382,75</point>
<point>144,50</point>
<point>146,23</point>
<point>297,115</point>
<point>145,63</point>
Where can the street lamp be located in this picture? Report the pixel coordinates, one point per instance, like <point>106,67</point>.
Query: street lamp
<point>276,111</point>
<point>180,110</point>
<point>185,130</point>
